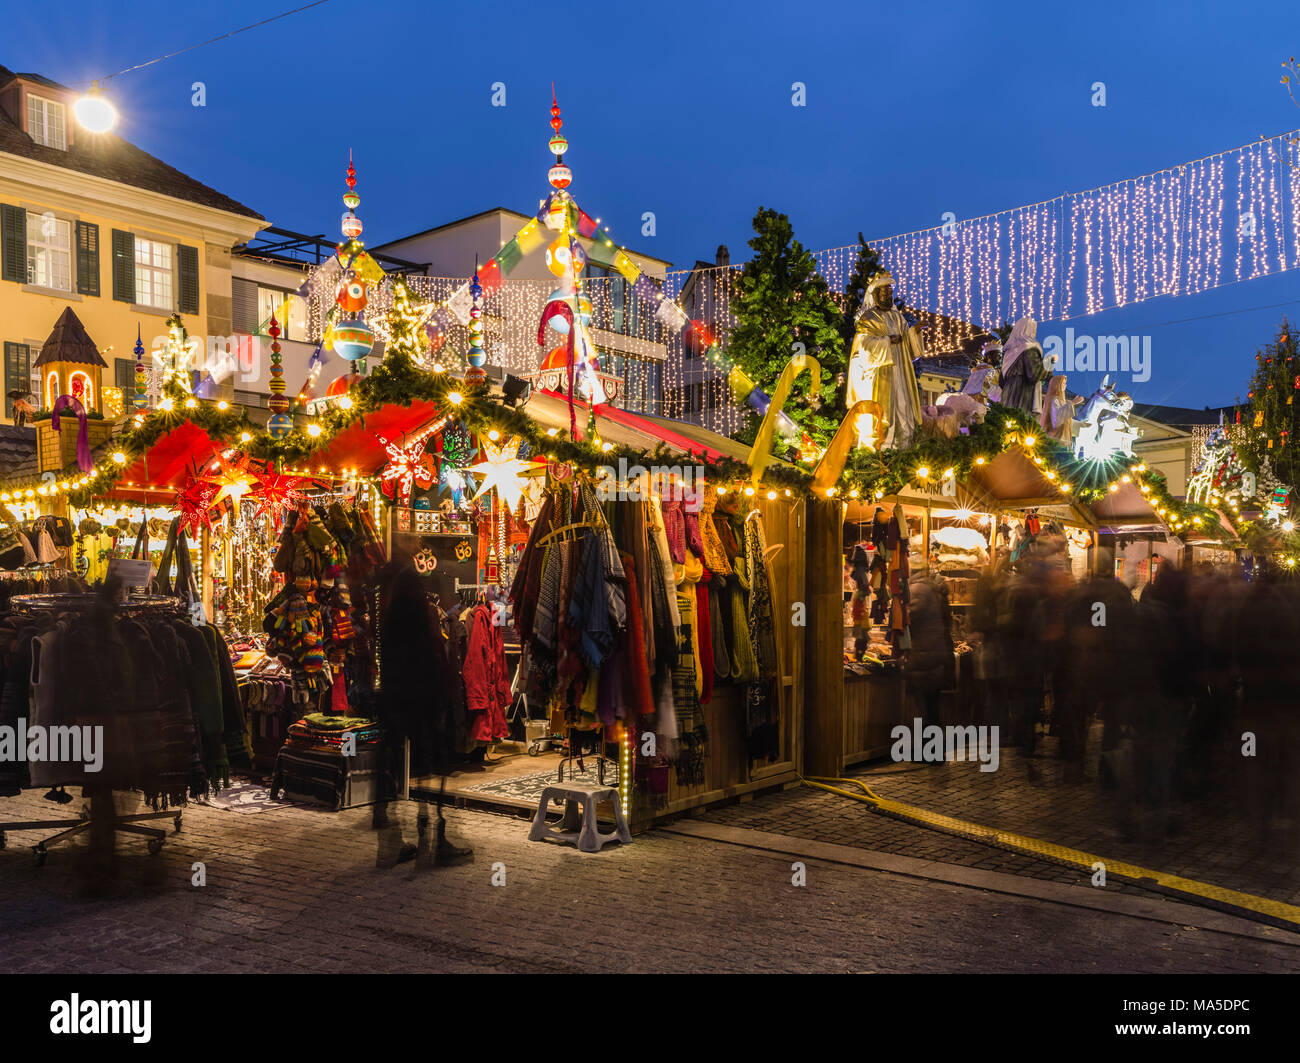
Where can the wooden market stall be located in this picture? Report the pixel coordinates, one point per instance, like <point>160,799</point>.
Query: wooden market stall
<point>848,714</point>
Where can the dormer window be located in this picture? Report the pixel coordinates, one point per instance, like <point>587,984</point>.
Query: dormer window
<point>46,122</point>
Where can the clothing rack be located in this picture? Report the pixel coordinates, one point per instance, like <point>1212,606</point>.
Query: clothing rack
<point>88,819</point>
<point>566,532</point>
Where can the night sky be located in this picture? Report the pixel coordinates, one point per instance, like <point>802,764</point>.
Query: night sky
<point>913,110</point>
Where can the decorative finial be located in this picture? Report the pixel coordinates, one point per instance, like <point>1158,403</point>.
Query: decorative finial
<point>560,175</point>
<point>350,223</point>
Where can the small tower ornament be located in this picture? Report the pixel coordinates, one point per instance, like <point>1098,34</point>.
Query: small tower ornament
<point>560,175</point>
<point>352,339</point>
<point>280,423</point>
<point>476,375</point>
<point>141,399</point>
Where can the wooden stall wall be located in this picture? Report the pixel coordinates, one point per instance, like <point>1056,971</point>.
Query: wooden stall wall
<point>728,772</point>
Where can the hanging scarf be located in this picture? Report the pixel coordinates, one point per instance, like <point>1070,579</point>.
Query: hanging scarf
<point>761,625</point>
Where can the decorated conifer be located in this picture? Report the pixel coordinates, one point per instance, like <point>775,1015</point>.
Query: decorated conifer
<point>781,300</point>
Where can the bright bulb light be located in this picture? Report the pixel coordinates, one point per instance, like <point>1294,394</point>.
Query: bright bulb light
<point>313,430</point>
<point>94,113</point>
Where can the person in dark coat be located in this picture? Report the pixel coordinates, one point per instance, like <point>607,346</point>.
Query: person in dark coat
<point>929,665</point>
<point>414,704</point>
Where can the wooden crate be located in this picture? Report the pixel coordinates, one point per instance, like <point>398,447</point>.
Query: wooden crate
<point>57,450</point>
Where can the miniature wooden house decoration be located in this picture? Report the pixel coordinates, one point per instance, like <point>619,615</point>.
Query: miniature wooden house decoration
<point>69,364</point>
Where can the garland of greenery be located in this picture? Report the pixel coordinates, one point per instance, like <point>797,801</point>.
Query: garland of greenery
<point>397,380</point>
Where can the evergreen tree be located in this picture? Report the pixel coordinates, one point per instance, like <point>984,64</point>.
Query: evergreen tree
<point>1272,419</point>
<point>781,300</point>
<point>855,291</point>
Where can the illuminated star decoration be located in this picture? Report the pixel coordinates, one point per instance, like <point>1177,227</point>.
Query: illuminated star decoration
<point>275,493</point>
<point>404,463</point>
<point>234,480</point>
<point>503,470</point>
<point>194,504</point>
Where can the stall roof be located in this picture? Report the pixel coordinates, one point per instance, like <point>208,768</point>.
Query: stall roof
<point>358,446</point>
<point>1016,482</point>
<point>162,469</point>
<point>623,428</point>
<point>1124,507</point>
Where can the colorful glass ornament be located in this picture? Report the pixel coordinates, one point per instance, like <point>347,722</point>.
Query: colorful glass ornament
<point>352,296</point>
<point>476,356</point>
<point>279,423</point>
<point>561,253</point>
<point>141,399</point>
<point>353,340</point>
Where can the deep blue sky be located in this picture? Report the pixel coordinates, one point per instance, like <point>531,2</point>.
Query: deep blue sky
<point>914,109</point>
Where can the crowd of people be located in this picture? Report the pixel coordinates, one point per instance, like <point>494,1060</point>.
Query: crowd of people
<point>1185,692</point>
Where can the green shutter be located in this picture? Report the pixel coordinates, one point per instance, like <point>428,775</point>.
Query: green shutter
<point>87,258</point>
<point>124,375</point>
<point>13,244</point>
<point>187,258</point>
<point>123,266</point>
<point>18,373</point>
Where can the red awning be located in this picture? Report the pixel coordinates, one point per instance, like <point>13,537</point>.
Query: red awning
<point>356,446</point>
<point>164,468</point>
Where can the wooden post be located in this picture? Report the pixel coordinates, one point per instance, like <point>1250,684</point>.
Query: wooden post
<point>823,700</point>
<point>205,571</point>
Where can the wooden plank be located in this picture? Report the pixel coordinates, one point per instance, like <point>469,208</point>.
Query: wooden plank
<point>824,726</point>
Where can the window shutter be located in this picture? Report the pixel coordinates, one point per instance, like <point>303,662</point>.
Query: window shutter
<point>187,258</point>
<point>87,258</point>
<point>18,373</point>
<point>124,376</point>
<point>123,266</point>
<point>13,244</point>
<point>244,306</point>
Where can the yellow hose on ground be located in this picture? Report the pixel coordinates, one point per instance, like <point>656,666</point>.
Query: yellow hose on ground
<point>1261,909</point>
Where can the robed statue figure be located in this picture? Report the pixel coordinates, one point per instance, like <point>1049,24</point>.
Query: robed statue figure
<point>880,367</point>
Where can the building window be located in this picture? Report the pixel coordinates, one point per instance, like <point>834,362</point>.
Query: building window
<point>45,122</point>
<point>49,251</point>
<point>153,274</point>
<point>17,374</point>
<point>293,323</point>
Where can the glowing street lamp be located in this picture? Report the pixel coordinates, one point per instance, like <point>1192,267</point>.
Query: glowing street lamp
<point>94,112</point>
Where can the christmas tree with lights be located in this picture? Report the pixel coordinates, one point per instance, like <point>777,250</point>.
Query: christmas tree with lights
<point>1271,419</point>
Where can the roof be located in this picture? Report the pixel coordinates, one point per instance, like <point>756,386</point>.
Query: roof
<point>110,157</point>
<point>17,452</point>
<point>484,214</point>
<point>1184,415</point>
<point>69,342</point>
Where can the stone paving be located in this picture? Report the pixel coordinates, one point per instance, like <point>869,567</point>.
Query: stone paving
<point>297,890</point>
<point>1208,839</point>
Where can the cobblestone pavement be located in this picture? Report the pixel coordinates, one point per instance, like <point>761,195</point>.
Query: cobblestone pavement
<point>1209,839</point>
<point>297,890</point>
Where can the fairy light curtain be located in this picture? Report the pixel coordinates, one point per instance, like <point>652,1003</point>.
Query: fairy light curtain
<point>1219,220</point>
